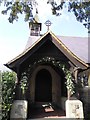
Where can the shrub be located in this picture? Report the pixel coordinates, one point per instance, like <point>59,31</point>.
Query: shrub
<point>8,86</point>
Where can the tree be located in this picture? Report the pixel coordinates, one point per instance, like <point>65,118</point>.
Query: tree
<point>80,9</point>
<point>18,7</point>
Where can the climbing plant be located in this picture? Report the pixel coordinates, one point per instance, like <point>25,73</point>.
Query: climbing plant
<point>23,83</point>
<point>25,75</point>
<point>52,61</point>
<point>69,83</point>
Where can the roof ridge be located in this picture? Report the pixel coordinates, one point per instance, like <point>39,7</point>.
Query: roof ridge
<point>58,40</point>
<point>70,52</point>
<point>72,36</point>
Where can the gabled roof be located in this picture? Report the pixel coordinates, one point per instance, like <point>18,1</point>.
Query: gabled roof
<point>58,42</point>
<point>78,45</point>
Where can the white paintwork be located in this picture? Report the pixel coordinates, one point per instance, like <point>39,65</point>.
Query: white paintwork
<point>74,109</point>
<point>19,109</point>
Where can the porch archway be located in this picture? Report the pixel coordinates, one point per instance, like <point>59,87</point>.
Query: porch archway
<point>43,86</point>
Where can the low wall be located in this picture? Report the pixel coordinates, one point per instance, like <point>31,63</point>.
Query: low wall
<point>19,110</point>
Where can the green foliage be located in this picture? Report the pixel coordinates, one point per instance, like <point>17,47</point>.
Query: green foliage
<point>18,7</point>
<point>53,62</point>
<point>23,84</point>
<point>69,83</point>
<point>8,85</point>
<point>82,12</point>
<point>80,9</point>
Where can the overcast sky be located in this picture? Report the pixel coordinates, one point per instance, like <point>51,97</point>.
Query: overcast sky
<point>13,37</point>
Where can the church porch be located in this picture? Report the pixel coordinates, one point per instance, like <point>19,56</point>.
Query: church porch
<point>46,85</point>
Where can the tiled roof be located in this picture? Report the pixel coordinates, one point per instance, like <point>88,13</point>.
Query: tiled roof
<point>75,47</point>
<point>31,41</point>
<point>78,45</point>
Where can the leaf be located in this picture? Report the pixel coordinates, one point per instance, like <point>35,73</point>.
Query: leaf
<point>4,12</point>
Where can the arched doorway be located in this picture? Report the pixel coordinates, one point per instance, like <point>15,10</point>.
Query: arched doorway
<point>43,86</point>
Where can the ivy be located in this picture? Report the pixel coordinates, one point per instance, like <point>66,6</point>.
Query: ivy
<point>51,61</point>
<point>23,83</point>
<point>69,82</point>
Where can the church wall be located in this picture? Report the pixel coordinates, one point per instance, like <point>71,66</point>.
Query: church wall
<point>84,91</point>
<point>56,85</point>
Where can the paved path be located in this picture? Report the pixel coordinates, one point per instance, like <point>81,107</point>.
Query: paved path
<point>46,112</point>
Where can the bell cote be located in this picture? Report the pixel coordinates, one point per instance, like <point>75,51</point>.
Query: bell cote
<point>35,26</point>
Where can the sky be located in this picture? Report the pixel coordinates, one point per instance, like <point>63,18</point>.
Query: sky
<point>13,37</point>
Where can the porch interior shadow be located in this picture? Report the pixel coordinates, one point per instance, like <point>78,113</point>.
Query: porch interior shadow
<point>43,86</point>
